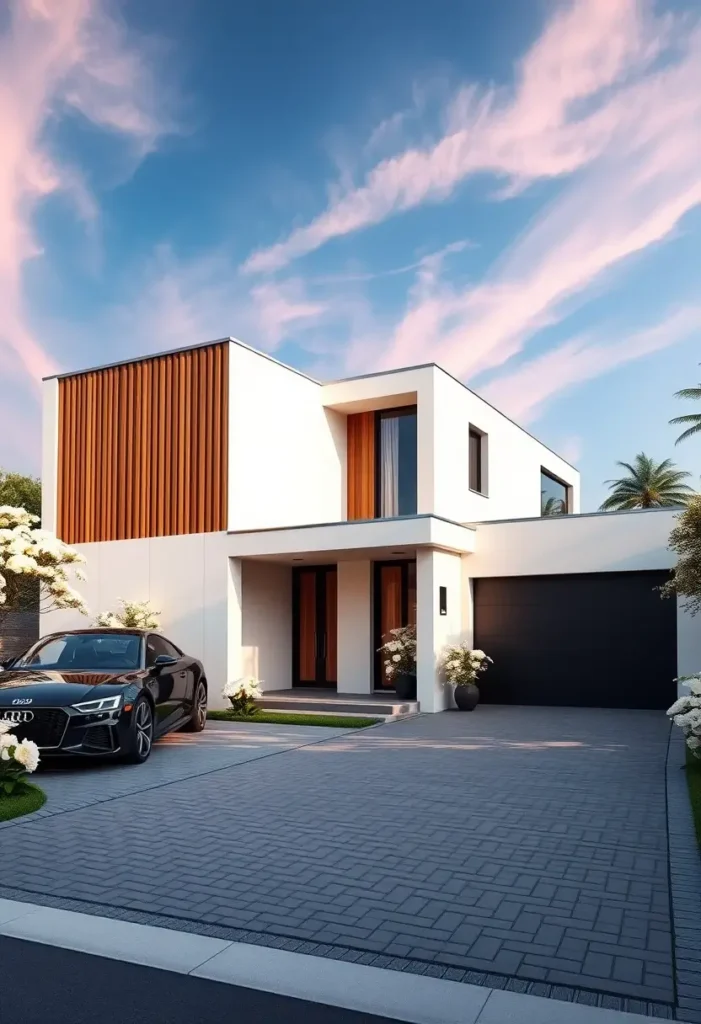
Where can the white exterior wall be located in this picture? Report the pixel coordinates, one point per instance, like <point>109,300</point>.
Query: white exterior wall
<point>512,464</point>
<point>445,411</point>
<point>287,453</point>
<point>355,640</point>
<point>266,625</point>
<point>605,542</point>
<point>49,453</point>
<point>185,579</point>
<point>435,569</point>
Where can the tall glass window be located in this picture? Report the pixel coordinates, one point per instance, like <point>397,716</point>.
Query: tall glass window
<point>554,495</point>
<point>396,462</point>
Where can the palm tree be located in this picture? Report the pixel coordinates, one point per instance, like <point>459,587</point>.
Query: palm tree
<point>551,506</point>
<point>694,418</point>
<point>649,484</point>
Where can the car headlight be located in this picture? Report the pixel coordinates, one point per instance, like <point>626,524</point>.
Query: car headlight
<point>103,704</point>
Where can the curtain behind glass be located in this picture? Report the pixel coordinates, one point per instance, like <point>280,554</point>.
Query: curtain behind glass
<point>389,459</point>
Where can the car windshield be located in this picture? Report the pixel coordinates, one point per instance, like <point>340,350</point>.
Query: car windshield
<point>83,652</point>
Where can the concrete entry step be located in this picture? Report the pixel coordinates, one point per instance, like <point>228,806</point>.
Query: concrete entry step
<point>330,703</point>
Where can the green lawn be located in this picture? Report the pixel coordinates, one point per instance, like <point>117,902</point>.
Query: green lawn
<point>285,718</point>
<point>693,780</point>
<point>14,806</point>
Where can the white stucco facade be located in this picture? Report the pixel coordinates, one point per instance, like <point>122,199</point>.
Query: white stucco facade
<point>227,597</point>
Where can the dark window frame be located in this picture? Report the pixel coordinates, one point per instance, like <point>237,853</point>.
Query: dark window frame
<point>380,414</point>
<point>377,567</point>
<point>562,483</point>
<point>475,434</point>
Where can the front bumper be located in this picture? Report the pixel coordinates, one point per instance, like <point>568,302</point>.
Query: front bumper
<point>58,731</point>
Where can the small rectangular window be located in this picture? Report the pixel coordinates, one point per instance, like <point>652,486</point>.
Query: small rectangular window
<point>477,441</point>
<point>443,600</point>
<point>554,495</point>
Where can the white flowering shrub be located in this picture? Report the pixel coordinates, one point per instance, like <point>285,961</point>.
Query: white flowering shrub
<point>462,665</point>
<point>242,694</point>
<point>17,759</point>
<point>132,614</point>
<point>686,713</point>
<point>27,552</point>
<point>399,653</point>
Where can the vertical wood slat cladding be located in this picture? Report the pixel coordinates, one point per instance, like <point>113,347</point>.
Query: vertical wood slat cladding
<point>361,465</point>
<point>143,448</point>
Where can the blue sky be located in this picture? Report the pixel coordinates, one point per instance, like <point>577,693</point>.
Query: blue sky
<point>510,190</point>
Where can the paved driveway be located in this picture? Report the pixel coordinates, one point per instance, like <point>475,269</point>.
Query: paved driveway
<point>529,842</point>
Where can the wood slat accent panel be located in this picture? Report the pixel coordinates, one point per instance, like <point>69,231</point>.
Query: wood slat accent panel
<point>143,448</point>
<point>361,465</point>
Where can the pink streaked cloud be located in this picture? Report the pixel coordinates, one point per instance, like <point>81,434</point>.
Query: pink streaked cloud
<point>632,198</point>
<point>57,56</point>
<point>557,119</point>
<point>173,302</point>
<point>525,391</point>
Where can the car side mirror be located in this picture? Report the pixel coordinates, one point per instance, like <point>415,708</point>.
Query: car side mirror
<point>164,660</point>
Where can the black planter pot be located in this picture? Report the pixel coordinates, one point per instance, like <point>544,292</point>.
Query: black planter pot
<point>405,686</point>
<point>467,697</point>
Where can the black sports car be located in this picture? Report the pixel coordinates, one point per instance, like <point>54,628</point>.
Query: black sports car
<point>107,692</point>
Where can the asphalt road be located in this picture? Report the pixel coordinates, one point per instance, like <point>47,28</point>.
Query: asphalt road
<point>46,985</point>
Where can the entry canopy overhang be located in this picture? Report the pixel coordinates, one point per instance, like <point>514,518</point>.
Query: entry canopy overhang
<point>354,539</point>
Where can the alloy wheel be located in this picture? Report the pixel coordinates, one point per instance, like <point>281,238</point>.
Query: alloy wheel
<point>201,706</point>
<point>144,729</point>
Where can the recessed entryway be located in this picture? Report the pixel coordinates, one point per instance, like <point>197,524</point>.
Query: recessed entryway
<point>314,626</point>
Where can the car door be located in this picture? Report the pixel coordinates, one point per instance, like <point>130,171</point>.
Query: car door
<point>168,680</point>
<point>183,675</point>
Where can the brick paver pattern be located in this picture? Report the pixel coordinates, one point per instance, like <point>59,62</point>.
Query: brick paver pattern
<point>530,842</point>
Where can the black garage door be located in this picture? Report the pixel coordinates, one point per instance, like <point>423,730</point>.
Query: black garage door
<point>594,640</point>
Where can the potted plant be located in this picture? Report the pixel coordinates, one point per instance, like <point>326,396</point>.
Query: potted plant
<point>399,659</point>
<point>462,667</point>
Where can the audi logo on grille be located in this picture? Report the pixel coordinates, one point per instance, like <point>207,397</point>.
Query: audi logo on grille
<point>16,716</point>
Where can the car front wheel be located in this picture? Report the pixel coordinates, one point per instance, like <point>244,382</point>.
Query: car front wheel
<point>198,716</point>
<point>141,732</point>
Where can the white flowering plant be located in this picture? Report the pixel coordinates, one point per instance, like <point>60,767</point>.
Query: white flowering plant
<point>399,653</point>
<point>242,695</point>
<point>18,758</point>
<point>686,713</point>
<point>462,665</point>
<point>28,553</point>
<point>132,614</point>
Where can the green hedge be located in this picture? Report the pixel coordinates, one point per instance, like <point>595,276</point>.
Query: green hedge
<point>693,781</point>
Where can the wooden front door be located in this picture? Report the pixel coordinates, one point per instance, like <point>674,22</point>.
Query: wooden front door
<point>314,613</point>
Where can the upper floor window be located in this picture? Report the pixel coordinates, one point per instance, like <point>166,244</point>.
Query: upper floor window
<point>478,442</point>
<point>554,495</point>
<point>396,466</point>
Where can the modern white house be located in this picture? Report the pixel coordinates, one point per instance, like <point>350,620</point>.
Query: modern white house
<point>283,526</point>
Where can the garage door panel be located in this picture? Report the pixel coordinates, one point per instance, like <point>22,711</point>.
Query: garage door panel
<point>596,640</point>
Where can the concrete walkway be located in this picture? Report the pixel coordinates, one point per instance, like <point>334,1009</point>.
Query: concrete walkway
<point>516,843</point>
<point>374,995</point>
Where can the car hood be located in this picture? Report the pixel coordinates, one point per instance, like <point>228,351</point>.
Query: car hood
<point>57,689</point>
